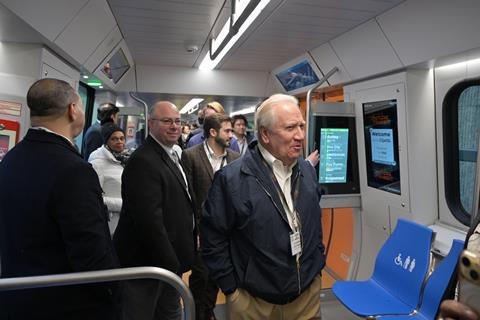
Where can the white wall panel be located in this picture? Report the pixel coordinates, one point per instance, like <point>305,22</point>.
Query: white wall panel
<point>20,59</point>
<point>326,59</point>
<point>49,17</point>
<point>428,29</point>
<point>87,30</point>
<point>194,81</point>
<point>364,51</point>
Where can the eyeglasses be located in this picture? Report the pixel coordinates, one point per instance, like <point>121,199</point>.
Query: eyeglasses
<point>168,122</point>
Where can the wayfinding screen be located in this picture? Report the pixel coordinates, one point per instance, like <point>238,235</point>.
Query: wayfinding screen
<point>333,155</point>
<point>334,137</point>
<point>381,145</point>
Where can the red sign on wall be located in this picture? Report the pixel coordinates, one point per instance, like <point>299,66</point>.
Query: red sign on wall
<point>9,131</point>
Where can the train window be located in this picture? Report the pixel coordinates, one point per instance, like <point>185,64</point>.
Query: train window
<point>461,118</point>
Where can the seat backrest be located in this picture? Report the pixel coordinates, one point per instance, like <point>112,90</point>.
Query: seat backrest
<point>438,281</point>
<point>402,263</point>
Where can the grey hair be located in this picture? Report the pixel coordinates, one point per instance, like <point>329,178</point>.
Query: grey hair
<point>265,115</point>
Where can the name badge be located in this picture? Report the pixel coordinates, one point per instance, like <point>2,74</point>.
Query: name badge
<point>295,243</point>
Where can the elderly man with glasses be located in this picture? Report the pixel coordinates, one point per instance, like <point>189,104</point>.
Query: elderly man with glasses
<point>157,222</point>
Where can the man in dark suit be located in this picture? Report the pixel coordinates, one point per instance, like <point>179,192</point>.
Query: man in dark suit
<point>156,226</point>
<point>52,216</point>
<point>200,163</point>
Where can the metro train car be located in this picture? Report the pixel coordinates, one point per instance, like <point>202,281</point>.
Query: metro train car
<point>389,90</point>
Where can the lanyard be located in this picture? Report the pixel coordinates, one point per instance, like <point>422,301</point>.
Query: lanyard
<point>293,215</point>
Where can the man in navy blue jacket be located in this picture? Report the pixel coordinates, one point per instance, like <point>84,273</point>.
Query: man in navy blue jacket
<point>52,216</point>
<point>260,228</point>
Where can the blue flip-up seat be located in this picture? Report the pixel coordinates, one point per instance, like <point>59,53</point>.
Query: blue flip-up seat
<point>401,267</point>
<point>436,285</point>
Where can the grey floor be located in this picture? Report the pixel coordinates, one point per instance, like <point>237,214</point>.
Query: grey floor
<point>331,310</point>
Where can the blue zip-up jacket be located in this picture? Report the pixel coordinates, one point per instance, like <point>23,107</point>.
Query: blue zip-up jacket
<point>245,235</point>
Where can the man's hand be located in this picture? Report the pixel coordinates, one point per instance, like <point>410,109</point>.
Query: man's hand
<point>313,158</point>
<point>451,309</point>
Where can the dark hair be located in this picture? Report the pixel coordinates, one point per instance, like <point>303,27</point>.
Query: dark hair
<point>214,121</point>
<point>108,129</point>
<point>106,111</point>
<point>237,117</point>
<point>48,97</point>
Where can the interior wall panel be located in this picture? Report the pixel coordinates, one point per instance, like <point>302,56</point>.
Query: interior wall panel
<point>194,81</point>
<point>49,17</point>
<point>429,29</point>
<point>365,51</point>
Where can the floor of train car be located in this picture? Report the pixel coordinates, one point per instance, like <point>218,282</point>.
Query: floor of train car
<point>331,309</point>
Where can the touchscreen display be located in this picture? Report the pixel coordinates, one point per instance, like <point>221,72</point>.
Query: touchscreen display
<point>333,155</point>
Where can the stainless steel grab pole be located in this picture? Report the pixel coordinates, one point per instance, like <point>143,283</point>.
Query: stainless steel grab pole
<point>145,108</point>
<point>309,98</point>
<point>105,276</point>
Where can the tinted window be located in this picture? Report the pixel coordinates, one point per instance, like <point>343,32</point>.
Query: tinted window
<point>468,130</point>
<point>461,125</point>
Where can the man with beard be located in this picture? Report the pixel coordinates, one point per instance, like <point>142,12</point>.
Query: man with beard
<point>200,163</point>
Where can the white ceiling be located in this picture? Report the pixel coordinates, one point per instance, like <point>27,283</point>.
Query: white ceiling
<point>158,31</point>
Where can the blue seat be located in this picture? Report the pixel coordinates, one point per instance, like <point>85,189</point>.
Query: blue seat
<point>436,285</point>
<point>400,270</point>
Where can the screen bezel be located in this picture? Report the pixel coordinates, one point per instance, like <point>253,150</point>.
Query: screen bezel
<point>352,186</point>
<point>292,63</point>
<point>101,75</point>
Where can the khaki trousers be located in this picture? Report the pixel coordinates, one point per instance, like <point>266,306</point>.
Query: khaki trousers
<point>242,306</point>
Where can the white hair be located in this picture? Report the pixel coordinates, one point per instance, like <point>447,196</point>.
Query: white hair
<point>265,115</point>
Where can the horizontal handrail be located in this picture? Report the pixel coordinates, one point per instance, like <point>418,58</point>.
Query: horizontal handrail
<point>105,276</point>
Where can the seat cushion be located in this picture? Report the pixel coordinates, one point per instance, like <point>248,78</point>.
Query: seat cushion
<point>365,298</point>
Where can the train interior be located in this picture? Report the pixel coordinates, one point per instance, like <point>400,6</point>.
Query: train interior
<point>395,92</point>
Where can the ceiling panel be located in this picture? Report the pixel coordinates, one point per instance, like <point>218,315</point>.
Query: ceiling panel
<point>158,31</point>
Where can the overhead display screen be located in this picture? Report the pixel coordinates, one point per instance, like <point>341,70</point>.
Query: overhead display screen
<point>333,155</point>
<point>297,76</point>
<point>116,67</point>
<point>381,145</point>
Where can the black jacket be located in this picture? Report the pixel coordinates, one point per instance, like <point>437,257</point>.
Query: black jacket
<point>245,235</point>
<point>53,220</point>
<point>155,227</point>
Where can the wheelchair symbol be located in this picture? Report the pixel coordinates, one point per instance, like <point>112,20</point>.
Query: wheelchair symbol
<point>398,260</point>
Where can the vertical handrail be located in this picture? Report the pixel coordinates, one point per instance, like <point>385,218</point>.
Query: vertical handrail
<point>105,276</point>
<point>309,97</point>
<point>145,108</point>
<point>476,195</point>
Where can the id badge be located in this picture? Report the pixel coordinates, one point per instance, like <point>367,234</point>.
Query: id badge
<point>295,243</point>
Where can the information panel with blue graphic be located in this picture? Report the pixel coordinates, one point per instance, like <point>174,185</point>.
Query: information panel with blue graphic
<point>333,155</point>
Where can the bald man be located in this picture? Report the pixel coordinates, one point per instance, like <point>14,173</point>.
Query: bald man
<point>157,224</point>
<point>52,216</point>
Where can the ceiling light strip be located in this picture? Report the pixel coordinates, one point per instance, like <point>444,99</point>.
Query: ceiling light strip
<point>208,63</point>
<point>191,105</point>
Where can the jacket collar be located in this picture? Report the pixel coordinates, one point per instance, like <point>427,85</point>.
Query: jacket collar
<point>252,164</point>
<point>50,137</point>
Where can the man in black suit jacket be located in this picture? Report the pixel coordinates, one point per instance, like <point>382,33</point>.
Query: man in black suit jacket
<point>200,163</point>
<point>156,226</point>
<point>52,216</point>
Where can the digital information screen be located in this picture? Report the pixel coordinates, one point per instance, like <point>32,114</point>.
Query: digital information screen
<point>382,146</point>
<point>333,155</point>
